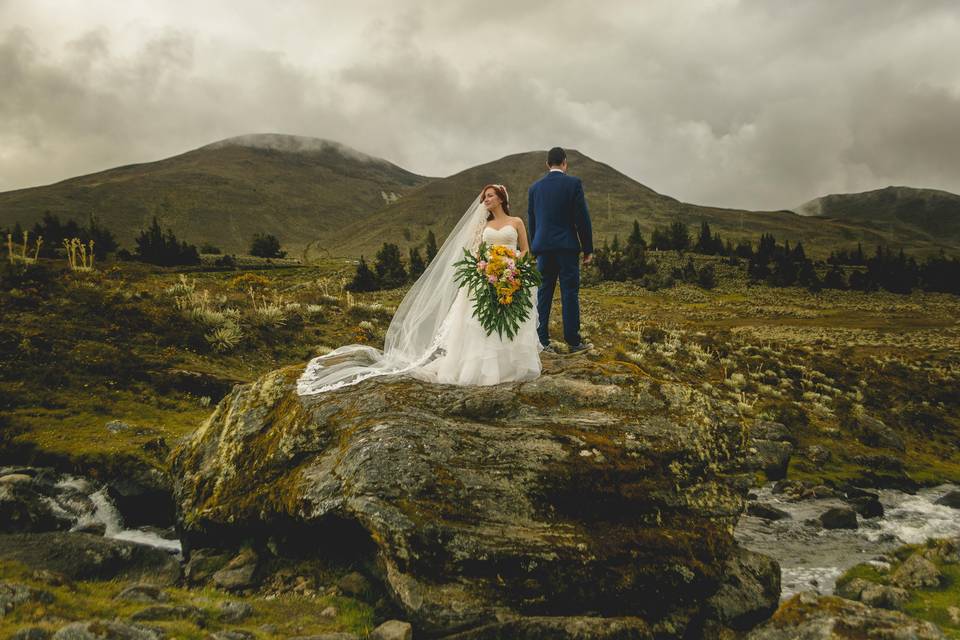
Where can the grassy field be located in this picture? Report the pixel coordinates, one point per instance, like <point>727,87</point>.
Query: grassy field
<point>157,348</point>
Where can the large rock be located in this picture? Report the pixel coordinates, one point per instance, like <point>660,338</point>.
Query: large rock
<point>839,518</point>
<point>26,507</point>
<point>107,630</point>
<point>872,594</point>
<point>874,433</point>
<point>750,591</point>
<point>916,572</point>
<point>81,556</point>
<point>560,628</point>
<point>950,499</point>
<point>588,492</point>
<point>812,617</point>
<point>771,456</point>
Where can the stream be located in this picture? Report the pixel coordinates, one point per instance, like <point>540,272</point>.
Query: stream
<point>812,558</point>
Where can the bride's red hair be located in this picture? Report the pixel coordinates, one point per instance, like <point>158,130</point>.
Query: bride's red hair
<point>501,192</point>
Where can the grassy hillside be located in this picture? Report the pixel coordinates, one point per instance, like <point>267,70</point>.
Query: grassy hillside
<point>926,214</point>
<point>302,190</point>
<point>615,201</point>
<point>336,201</point>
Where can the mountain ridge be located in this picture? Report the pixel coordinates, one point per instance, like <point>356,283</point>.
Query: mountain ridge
<point>318,193</point>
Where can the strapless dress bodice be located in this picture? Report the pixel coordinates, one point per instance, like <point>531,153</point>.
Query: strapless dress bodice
<point>506,235</point>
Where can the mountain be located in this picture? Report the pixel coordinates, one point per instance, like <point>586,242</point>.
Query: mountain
<point>615,201</point>
<point>911,214</point>
<point>300,189</point>
<point>322,194</point>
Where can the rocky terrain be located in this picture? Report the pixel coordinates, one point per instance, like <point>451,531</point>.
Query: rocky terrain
<point>605,500</point>
<point>586,496</point>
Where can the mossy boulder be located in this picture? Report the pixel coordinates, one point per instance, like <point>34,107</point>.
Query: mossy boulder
<point>811,616</point>
<point>590,492</point>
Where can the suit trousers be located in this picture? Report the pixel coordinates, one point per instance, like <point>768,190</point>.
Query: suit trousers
<point>565,267</point>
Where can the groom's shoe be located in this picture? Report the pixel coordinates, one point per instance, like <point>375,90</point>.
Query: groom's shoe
<point>581,348</point>
<point>548,348</point>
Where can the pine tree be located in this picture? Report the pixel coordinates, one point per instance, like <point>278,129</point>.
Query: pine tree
<point>659,239</point>
<point>835,278</point>
<point>798,252</point>
<point>807,276</point>
<point>431,247</point>
<point>164,249</point>
<point>417,265</point>
<point>679,236</point>
<point>858,257</point>
<point>634,263</point>
<point>704,240</point>
<point>103,240</point>
<point>636,238</point>
<point>364,279</point>
<point>717,247</point>
<point>389,267</point>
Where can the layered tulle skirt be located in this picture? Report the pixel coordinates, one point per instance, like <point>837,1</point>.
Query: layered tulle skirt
<point>469,356</point>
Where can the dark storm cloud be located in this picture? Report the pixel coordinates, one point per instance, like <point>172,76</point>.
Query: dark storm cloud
<point>756,104</point>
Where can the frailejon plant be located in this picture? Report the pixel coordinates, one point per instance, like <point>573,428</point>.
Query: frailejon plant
<point>77,255</point>
<point>225,337</point>
<point>267,313</point>
<point>19,253</point>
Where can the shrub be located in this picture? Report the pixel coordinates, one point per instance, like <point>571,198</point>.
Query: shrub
<point>156,247</point>
<point>225,337</point>
<point>250,281</point>
<point>266,246</point>
<point>707,277</point>
<point>364,279</point>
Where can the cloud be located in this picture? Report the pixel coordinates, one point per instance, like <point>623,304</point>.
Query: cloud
<point>732,103</point>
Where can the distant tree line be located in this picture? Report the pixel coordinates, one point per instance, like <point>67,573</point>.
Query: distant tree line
<point>389,270</point>
<point>54,232</point>
<point>630,262</point>
<point>153,245</point>
<point>778,265</point>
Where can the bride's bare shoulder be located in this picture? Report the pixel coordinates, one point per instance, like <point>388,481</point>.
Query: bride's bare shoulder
<point>516,222</point>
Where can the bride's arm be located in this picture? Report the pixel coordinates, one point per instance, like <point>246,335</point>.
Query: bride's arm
<point>522,238</point>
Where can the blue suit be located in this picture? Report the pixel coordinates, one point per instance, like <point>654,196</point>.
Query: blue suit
<point>559,225</point>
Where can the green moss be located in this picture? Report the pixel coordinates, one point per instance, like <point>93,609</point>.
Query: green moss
<point>84,600</point>
<point>863,571</point>
<point>928,603</point>
<point>933,604</point>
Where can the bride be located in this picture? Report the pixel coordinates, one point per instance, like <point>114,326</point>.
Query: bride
<point>433,335</point>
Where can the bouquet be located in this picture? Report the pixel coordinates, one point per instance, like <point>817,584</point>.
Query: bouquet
<point>500,281</point>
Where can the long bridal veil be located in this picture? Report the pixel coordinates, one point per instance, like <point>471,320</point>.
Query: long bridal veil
<point>417,328</point>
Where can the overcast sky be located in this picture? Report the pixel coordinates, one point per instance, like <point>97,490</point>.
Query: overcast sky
<point>754,103</point>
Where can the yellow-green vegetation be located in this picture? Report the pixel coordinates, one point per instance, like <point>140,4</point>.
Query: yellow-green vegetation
<point>273,616</point>
<point>933,604</point>
<point>19,252</point>
<point>157,347</point>
<point>138,345</point>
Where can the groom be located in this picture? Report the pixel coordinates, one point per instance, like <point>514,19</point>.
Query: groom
<point>560,230</point>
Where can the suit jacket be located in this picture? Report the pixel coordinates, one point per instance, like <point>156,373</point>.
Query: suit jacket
<point>557,215</point>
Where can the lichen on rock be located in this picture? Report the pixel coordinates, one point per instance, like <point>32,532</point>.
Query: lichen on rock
<point>478,504</point>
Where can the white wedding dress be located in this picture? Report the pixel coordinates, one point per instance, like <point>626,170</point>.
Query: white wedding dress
<point>468,355</point>
<point>433,335</point>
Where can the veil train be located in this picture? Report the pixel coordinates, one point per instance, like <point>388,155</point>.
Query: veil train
<point>417,328</point>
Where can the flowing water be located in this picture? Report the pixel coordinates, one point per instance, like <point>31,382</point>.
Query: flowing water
<point>86,504</point>
<point>812,558</point>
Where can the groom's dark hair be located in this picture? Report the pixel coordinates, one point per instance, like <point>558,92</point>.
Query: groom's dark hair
<point>556,156</point>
